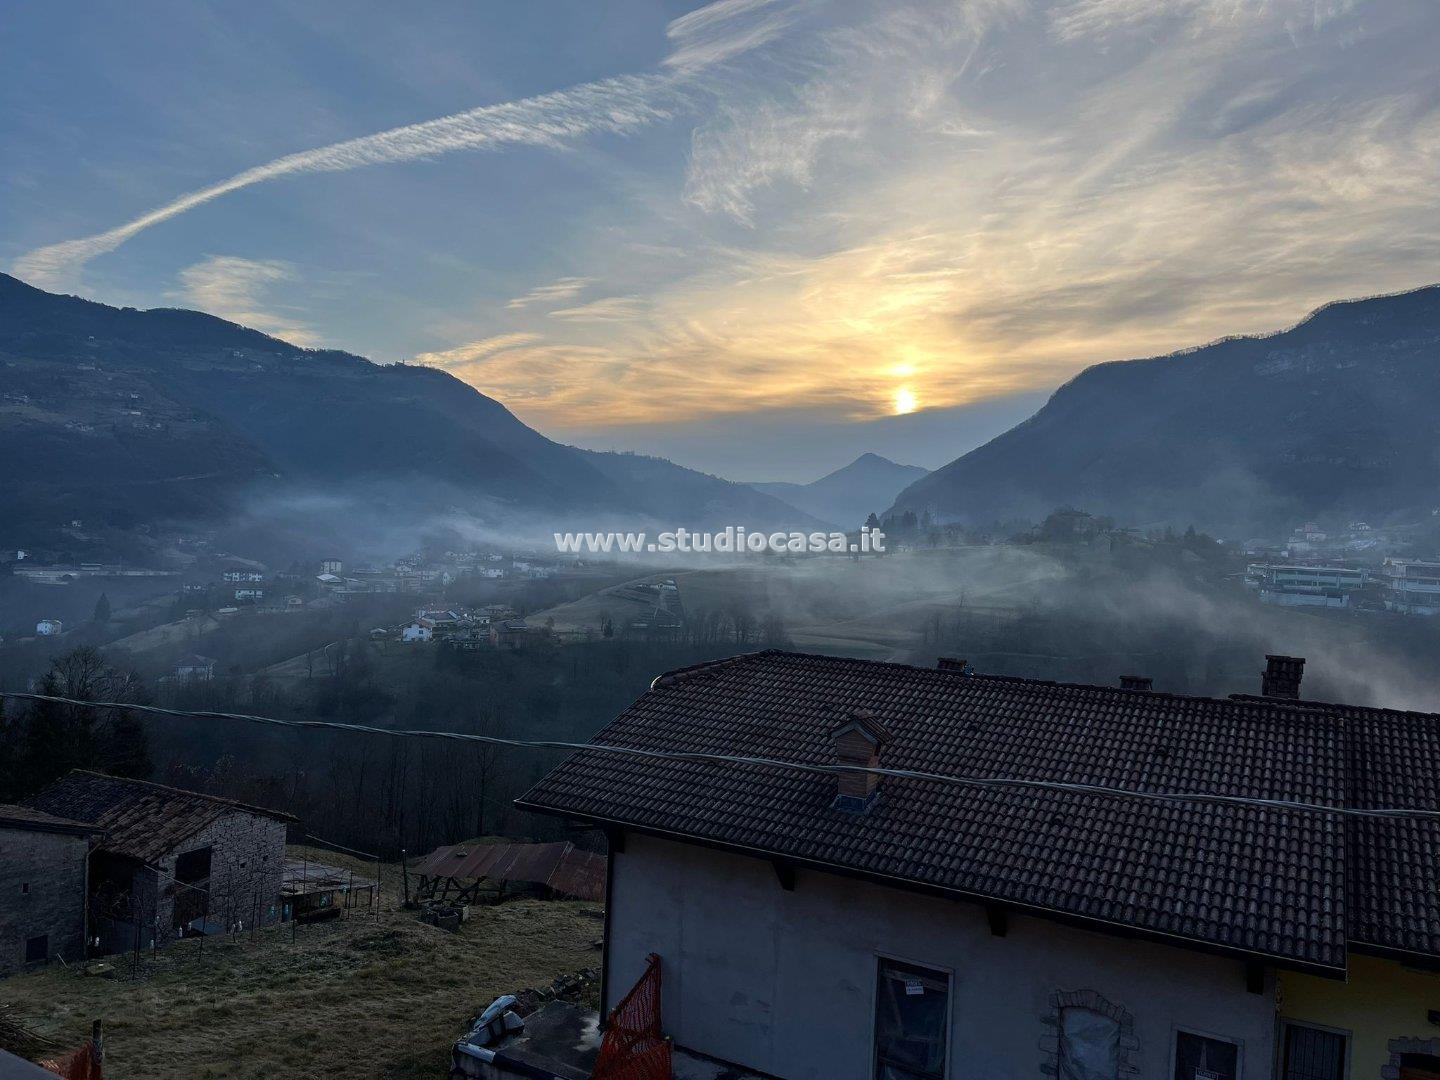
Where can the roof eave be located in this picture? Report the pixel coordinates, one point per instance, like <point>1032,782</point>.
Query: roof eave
<point>1083,922</point>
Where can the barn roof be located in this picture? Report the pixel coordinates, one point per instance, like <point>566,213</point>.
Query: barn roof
<point>561,865</point>
<point>1286,885</point>
<point>142,821</point>
<point>32,820</point>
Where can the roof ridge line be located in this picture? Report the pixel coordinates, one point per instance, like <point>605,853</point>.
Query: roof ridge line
<point>221,799</point>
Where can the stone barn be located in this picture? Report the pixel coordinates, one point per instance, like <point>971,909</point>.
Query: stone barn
<point>42,887</point>
<point>172,862</point>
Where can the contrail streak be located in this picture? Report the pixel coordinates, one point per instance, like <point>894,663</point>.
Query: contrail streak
<point>620,104</point>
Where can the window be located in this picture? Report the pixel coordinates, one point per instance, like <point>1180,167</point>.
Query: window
<point>1089,1045</point>
<point>1201,1057</point>
<point>1311,1053</point>
<point>912,1021</point>
<point>37,949</point>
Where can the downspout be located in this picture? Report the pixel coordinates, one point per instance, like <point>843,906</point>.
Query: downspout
<point>614,844</point>
<point>85,906</point>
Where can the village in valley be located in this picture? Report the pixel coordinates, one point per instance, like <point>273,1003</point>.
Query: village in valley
<point>720,540</point>
<point>198,897</point>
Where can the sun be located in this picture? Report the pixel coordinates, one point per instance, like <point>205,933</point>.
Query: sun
<point>905,401</point>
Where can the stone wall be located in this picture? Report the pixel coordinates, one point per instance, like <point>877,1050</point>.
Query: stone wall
<point>247,862</point>
<point>42,892</point>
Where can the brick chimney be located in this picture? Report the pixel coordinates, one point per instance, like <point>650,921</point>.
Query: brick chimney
<point>858,739</point>
<point>954,665</point>
<point>1136,682</point>
<point>1282,676</point>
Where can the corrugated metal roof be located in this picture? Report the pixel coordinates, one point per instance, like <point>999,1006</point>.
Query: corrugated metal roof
<point>304,876</point>
<point>562,866</point>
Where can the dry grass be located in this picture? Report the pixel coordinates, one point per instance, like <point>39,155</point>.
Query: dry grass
<point>359,996</point>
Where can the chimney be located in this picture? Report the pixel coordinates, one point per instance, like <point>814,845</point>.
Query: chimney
<point>858,739</point>
<point>1282,676</point>
<point>1136,682</point>
<point>953,665</point>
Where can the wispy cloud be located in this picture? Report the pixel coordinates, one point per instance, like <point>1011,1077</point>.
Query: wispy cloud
<point>546,295</point>
<point>240,290</point>
<point>1156,195</point>
<point>475,351</point>
<point>606,309</point>
<point>619,105</point>
<point>722,31</point>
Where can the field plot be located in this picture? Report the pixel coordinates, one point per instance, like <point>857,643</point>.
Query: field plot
<point>360,997</point>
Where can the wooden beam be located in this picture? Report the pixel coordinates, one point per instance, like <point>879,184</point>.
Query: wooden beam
<point>785,874</point>
<point>998,919</point>
<point>1254,977</point>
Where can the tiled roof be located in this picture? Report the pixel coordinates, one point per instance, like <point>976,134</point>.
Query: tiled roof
<point>1262,881</point>
<point>1394,863</point>
<point>141,820</point>
<point>25,817</point>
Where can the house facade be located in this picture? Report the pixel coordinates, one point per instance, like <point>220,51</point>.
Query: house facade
<point>799,981</point>
<point>172,862</point>
<point>1121,883</point>
<point>42,887</point>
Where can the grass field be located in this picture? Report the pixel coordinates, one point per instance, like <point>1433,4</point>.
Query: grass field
<point>357,997</point>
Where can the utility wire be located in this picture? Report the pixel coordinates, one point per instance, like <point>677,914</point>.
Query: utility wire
<point>1415,813</point>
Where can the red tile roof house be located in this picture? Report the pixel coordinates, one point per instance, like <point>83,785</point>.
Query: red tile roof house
<point>846,925</point>
<point>171,861</point>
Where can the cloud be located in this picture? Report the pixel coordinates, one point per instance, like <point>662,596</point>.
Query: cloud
<point>1098,18</point>
<point>607,309</point>
<point>234,288</point>
<point>722,31</point>
<point>617,105</point>
<point>1155,196</point>
<point>543,295</point>
<point>474,351</point>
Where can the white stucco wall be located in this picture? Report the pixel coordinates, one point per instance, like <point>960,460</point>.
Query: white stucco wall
<point>784,982</point>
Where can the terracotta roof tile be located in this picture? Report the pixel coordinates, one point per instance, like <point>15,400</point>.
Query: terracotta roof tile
<point>1260,880</point>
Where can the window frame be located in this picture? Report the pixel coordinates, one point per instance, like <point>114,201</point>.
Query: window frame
<point>31,939</point>
<point>880,959</point>
<point>1177,1029</point>
<point>1288,1022</point>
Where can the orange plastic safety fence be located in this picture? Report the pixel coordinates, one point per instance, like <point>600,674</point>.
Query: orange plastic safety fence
<point>635,1048</point>
<point>80,1065</point>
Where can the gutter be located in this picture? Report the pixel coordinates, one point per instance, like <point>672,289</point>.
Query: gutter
<point>1084,922</point>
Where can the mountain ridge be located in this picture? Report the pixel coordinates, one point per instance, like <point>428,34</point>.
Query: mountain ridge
<point>847,495</point>
<point>169,414</point>
<point>1246,432</point>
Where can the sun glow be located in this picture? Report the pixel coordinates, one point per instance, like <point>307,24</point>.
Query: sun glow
<point>905,401</point>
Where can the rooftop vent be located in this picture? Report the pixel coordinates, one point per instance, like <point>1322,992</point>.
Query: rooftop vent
<point>1136,682</point>
<point>858,739</point>
<point>953,664</point>
<point>1282,676</point>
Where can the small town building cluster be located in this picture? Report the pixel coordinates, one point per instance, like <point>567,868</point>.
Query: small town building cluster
<point>1407,586</point>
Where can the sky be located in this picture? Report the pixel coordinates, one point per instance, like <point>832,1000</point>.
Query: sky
<point>759,237</point>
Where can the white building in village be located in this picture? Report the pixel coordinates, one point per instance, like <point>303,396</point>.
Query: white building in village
<point>1413,586</point>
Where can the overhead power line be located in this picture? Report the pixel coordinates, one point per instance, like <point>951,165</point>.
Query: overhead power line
<point>1300,806</point>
